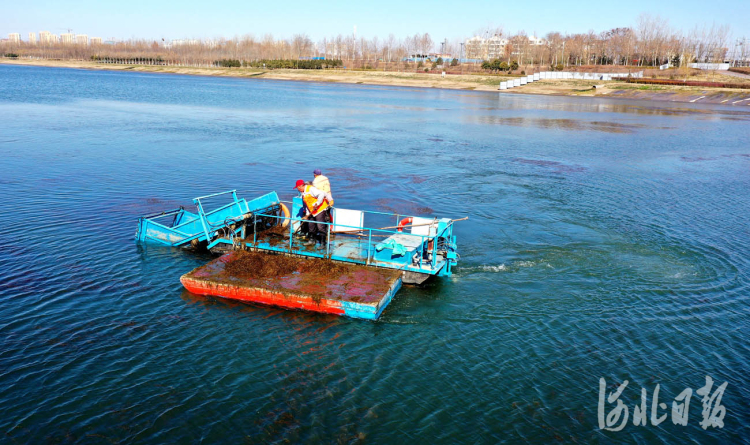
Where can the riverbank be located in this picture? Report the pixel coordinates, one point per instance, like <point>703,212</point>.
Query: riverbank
<point>473,82</point>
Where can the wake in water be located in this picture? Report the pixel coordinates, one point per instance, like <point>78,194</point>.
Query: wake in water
<point>488,268</point>
<point>464,271</point>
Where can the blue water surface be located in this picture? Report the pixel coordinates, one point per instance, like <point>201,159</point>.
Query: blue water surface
<point>606,239</point>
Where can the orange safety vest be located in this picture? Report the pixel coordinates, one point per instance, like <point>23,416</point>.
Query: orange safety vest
<point>310,201</point>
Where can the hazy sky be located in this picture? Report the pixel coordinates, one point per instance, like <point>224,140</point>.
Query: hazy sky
<point>174,19</point>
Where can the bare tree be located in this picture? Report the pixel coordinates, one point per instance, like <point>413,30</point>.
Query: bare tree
<point>301,44</point>
<point>426,44</point>
<point>650,42</point>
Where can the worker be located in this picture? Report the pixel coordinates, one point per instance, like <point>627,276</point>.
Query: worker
<point>323,184</point>
<point>315,202</point>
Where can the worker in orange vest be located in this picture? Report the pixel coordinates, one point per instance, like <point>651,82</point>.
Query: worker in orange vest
<point>315,202</point>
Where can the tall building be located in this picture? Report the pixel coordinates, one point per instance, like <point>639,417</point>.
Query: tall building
<point>475,48</point>
<point>67,38</point>
<point>485,49</point>
<point>82,39</point>
<point>14,37</point>
<point>496,47</point>
<point>45,37</point>
<point>32,38</point>
<point>96,41</point>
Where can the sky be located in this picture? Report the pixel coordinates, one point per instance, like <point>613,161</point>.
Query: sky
<point>173,19</point>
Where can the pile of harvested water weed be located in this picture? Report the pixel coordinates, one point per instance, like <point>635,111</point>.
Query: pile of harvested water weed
<point>257,265</point>
<point>247,264</point>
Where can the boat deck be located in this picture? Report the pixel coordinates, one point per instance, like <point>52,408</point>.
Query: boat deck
<point>310,284</point>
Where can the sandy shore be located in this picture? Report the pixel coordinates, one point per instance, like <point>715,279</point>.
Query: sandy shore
<point>559,87</point>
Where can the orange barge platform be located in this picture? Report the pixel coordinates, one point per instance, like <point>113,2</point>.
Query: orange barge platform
<point>311,284</point>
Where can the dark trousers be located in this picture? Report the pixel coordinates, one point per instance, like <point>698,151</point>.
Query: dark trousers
<point>315,224</point>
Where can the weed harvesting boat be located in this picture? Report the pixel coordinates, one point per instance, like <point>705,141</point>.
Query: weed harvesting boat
<point>409,249</point>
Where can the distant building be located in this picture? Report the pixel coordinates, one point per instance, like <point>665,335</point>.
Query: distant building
<point>67,38</point>
<point>32,38</point>
<point>474,48</point>
<point>535,41</point>
<point>95,41</point>
<point>82,39</point>
<point>496,47</point>
<point>486,49</point>
<point>45,37</point>
<point>14,37</point>
<point>183,42</point>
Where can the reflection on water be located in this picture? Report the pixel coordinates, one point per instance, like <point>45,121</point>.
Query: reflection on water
<point>606,239</point>
<point>602,105</point>
<point>561,124</point>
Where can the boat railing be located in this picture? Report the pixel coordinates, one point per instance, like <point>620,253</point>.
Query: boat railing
<point>213,195</point>
<point>398,216</point>
<point>373,236</point>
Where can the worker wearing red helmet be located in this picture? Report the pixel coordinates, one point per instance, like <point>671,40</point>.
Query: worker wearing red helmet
<point>316,202</point>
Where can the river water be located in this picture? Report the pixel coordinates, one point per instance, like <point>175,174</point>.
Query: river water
<point>607,239</point>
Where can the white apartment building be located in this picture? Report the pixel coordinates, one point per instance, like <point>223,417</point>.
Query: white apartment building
<point>14,37</point>
<point>496,47</point>
<point>82,39</point>
<point>474,48</point>
<point>486,49</point>
<point>45,37</point>
<point>96,41</point>
<point>32,38</point>
<point>535,41</point>
<point>67,38</point>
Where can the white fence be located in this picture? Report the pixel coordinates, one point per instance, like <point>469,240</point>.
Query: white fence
<point>710,66</point>
<point>517,82</point>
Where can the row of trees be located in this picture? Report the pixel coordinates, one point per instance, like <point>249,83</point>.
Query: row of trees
<point>499,65</point>
<point>356,52</point>
<point>650,42</point>
<point>316,64</point>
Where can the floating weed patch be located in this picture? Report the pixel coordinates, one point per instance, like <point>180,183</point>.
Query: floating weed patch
<point>563,124</point>
<point>557,167</point>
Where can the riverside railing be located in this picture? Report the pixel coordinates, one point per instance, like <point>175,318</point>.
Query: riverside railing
<point>544,75</point>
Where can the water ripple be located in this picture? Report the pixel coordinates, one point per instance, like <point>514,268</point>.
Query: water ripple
<point>605,239</point>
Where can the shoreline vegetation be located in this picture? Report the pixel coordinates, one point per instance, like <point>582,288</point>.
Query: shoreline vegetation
<point>470,82</point>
